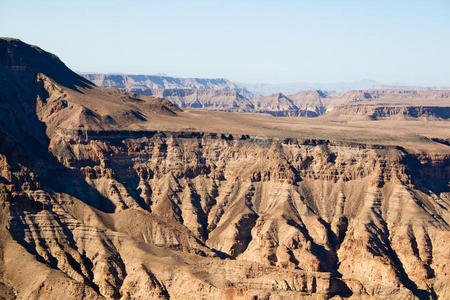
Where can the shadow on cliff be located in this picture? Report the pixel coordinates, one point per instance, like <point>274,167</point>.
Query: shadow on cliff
<point>328,259</point>
<point>24,143</point>
<point>380,246</point>
<point>23,140</point>
<point>430,177</point>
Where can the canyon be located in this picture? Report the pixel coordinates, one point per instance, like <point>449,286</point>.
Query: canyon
<point>106,193</point>
<point>224,95</point>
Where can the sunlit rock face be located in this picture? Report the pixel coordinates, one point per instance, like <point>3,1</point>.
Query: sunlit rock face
<point>223,95</point>
<point>92,208</point>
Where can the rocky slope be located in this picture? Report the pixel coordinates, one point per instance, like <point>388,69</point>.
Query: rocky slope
<point>141,83</point>
<point>223,95</point>
<point>214,94</point>
<point>210,99</point>
<point>94,209</point>
<point>276,104</point>
<point>380,112</point>
<point>130,82</point>
<point>392,104</point>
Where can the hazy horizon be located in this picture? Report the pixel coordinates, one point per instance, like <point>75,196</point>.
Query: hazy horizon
<point>401,43</point>
<point>366,80</point>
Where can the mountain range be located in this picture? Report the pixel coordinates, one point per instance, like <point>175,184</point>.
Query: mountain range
<point>223,95</point>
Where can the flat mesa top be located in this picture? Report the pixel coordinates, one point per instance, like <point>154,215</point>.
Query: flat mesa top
<point>414,135</point>
<point>75,103</point>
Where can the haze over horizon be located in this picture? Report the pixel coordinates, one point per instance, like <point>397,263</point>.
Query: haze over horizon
<point>252,42</point>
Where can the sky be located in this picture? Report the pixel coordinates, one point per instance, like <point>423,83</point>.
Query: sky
<point>403,42</point>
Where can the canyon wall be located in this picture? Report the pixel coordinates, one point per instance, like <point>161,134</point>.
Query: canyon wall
<point>223,95</point>
<point>256,216</point>
<point>94,205</point>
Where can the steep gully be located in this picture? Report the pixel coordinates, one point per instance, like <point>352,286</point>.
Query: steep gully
<point>138,214</point>
<point>295,204</point>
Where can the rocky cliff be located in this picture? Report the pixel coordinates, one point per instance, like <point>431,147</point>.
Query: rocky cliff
<point>223,95</point>
<point>391,104</point>
<point>141,83</point>
<point>93,208</point>
<point>373,112</point>
<point>210,99</point>
<point>287,218</point>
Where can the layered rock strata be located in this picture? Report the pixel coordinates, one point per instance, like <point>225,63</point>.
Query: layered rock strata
<point>92,206</point>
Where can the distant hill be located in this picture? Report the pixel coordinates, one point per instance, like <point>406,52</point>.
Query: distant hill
<point>214,94</point>
<point>266,89</point>
<point>224,95</point>
<point>140,83</point>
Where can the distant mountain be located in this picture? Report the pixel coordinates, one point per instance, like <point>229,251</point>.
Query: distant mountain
<point>214,94</point>
<point>266,89</point>
<point>211,99</point>
<point>277,104</point>
<point>312,102</point>
<point>391,103</point>
<point>362,99</point>
<point>409,87</point>
<point>140,83</point>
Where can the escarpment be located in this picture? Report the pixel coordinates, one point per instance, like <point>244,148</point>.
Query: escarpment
<point>97,202</point>
<point>312,216</point>
<point>374,112</point>
<point>222,95</point>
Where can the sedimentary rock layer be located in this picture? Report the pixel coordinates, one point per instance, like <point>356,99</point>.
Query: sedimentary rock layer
<point>93,206</point>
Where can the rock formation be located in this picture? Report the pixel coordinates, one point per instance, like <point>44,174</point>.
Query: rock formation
<point>96,205</point>
<point>210,99</point>
<point>223,95</point>
<point>392,104</point>
<point>141,83</point>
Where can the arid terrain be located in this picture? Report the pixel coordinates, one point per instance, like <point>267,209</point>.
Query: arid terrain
<point>223,95</point>
<point>108,194</point>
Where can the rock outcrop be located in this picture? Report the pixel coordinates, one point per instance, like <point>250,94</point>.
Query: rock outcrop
<point>210,99</point>
<point>223,95</point>
<point>93,208</point>
<point>394,104</point>
<point>375,112</point>
<point>141,83</point>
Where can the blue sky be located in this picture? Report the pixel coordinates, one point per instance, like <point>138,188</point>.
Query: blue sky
<point>321,41</point>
